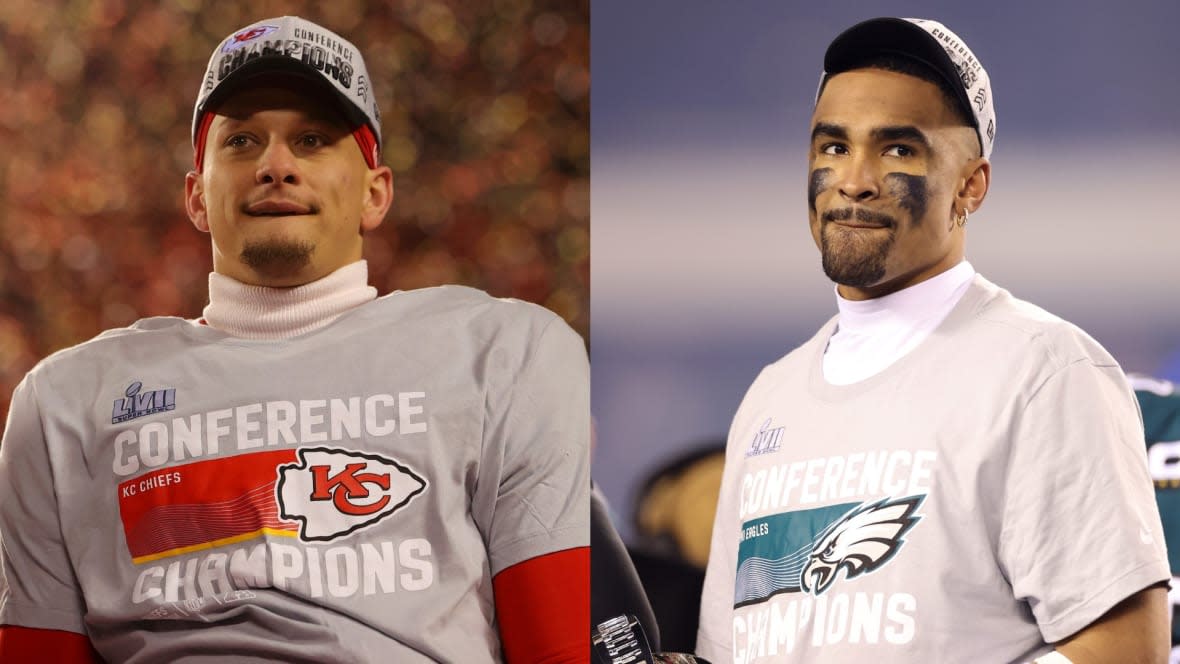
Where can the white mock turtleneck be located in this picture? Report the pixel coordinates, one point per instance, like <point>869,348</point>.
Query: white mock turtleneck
<point>873,334</point>
<point>260,312</point>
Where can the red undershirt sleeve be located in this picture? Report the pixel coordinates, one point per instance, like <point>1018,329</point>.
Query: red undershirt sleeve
<point>543,608</point>
<point>27,644</point>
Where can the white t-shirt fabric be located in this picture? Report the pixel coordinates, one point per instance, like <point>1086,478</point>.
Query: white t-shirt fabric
<point>982,497</point>
<point>180,494</point>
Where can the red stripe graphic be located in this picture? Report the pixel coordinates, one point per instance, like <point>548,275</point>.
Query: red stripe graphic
<point>199,505</point>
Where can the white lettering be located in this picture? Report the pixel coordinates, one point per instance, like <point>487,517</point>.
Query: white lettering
<point>186,438</point>
<point>828,490</point>
<point>175,582</point>
<point>793,481</point>
<point>346,418</point>
<point>211,577</point>
<point>379,567</point>
<point>759,485</point>
<point>870,481</point>
<point>784,627</point>
<point>126,462</point>
<point>153,444</point>
<point>309,421</point>
<point>314,576</point>
<point>739,631</point>
<point>894,481</point>
<point>810,479</point>
<point>837,618</point>
<point>777,627</point>
<point>900,612</point>
<point>280,420</point>
<point>368,568</point>
<point>340,566</point>
<point>216,428</point>
<point>866,618</point>
<point>248,426</point>
<point>414,555</point>
<point>286,564</point>
<point>272,423</point>
<point>247,567</point>
<point>922,472</point>
<point>383,427</point>
<point>141,592</point>
<point>774,487</point>
<point>406,411</point>
<point>821,614</point>
<point>851,474</point>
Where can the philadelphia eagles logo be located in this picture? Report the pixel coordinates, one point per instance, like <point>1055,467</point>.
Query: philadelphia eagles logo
<point>859,542</point>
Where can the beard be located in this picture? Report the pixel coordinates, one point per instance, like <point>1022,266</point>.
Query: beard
<point>851,257</point>
<point>277,258</point>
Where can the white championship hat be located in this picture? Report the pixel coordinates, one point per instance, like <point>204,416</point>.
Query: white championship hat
<point>329,65</point>
<point>930,43</point>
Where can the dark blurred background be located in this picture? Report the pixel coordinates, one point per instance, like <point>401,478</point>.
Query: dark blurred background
<point>485,112</point>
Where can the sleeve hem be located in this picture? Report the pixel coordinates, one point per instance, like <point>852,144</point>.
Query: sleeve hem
<point>571,537</point>
<point>1095,606</point>
<point>36,617</point>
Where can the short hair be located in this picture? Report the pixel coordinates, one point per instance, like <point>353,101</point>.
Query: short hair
<point>904,64</point>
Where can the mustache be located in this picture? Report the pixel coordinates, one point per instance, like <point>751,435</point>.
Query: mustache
<point>861,214</point>
<point>257,207</point>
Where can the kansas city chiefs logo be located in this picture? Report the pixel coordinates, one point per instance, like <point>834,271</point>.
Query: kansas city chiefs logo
<point>333,492</point>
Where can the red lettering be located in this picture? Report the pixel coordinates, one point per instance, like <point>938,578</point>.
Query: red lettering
<point>346,485</point>
<point>249,34</point>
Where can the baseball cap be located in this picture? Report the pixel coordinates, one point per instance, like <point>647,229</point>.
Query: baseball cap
<point>288,46</point>
<point>930,43</point>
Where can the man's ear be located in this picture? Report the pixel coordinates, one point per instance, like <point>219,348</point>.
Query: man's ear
<point>378,197</point>
<point>973,186</point>
<point>194,201</point>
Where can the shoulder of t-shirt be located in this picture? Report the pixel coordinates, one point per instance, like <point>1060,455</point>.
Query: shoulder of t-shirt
<point>95,346</point>
<point>1019,328</point>
<point>800,356</point>
<point>471,307</point>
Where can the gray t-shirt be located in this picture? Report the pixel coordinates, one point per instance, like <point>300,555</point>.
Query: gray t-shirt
<point>344,496</point>
<point>984,496</point>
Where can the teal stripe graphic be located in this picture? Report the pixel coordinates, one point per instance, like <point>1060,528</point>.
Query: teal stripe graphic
<point>774,549</point>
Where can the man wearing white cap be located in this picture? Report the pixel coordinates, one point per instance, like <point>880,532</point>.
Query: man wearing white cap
<point>943,473</point>
<point>307,473</point>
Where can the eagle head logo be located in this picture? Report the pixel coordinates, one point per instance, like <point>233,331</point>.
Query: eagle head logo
<point>859,542</point>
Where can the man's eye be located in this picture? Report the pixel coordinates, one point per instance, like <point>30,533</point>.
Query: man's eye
<point>237,141</point>
<point>899,151</point>
<point>834,148</point>
<point>311,141</point>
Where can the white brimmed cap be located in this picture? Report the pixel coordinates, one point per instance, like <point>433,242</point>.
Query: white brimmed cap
<point>931,43</point>
<point>294,47</point>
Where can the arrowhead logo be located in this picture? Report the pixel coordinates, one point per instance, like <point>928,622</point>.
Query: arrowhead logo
<point>333,492</point>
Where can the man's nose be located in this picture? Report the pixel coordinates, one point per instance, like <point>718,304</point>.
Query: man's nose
<point>277,164</point>
<point>858,181</point>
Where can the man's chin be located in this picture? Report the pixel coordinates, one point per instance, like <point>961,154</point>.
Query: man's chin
<point>850,265</point>
<point>278,262</point>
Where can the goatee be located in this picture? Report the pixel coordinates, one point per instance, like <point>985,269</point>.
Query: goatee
<point>277,258</point>
<point>854,257</point>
